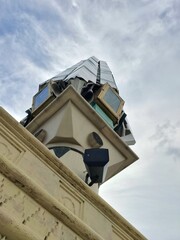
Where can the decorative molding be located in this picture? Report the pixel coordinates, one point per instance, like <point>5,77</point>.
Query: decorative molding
<point>35,211</point>
<point>28,216</point>
<point>120,234</point>
<point>43,198</point>
<point>71,199</point>
<point>9,146</point>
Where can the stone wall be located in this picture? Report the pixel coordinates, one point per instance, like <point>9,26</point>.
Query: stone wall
<point>40,198</point>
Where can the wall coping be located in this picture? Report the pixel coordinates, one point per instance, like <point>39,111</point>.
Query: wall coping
<point>46,156</point>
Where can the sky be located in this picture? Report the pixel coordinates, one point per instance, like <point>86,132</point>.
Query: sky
<point>140,41</point>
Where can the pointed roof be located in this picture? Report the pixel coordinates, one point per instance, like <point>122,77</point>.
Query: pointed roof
<point>91,69</point>
<point>96,71</point>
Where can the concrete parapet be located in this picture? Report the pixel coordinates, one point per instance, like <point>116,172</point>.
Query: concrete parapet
<point>40,198</point>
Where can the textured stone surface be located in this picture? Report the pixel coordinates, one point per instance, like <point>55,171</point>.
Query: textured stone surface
<point>40,198</point>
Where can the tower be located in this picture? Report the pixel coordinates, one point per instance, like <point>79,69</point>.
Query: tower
<point>74,138</point>
<point>79,116</point>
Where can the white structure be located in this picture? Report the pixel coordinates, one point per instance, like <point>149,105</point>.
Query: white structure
<point>76,113</point>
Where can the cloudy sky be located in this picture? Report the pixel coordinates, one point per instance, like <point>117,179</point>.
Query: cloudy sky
<point>140,41</point>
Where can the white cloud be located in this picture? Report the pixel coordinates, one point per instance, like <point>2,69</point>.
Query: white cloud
<point>140,42</point>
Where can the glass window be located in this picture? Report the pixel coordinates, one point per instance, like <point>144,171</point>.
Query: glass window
<point>60,151</point>
<point>40,97</point>
<point>112,99</point>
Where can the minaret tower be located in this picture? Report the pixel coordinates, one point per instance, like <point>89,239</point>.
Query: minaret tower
<point>79,116</point>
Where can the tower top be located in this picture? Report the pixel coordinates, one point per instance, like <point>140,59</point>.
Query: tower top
<point>76,113</point>
<point>91,69</point>
<point>88,77</point>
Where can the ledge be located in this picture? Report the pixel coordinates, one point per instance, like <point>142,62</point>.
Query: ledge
<point>26,164</point>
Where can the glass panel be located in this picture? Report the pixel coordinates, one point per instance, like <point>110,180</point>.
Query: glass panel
<point>60,151</point>
<point>112,99</point>
<point>41,97</point>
